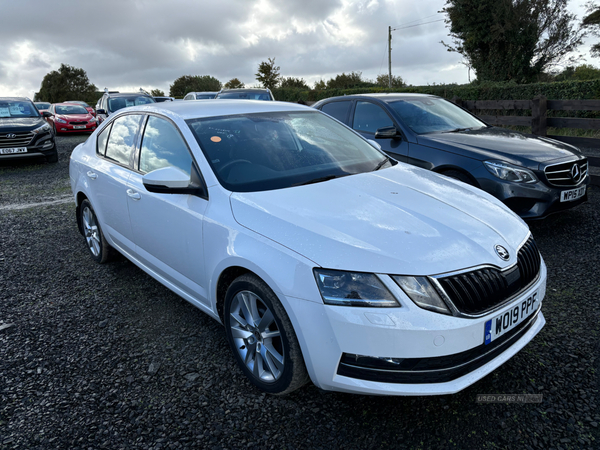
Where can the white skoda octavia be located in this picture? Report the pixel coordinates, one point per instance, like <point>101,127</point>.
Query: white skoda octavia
<point>324,259</point>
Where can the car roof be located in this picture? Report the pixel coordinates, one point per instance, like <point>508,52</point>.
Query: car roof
<point>128,94</point>
<point>16,99</point>
<point>215,107</point>
<point>384,97</point>
<point>244,90</point>
<point>203,92</point>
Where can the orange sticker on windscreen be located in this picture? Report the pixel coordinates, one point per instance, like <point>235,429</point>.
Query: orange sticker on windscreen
<point>215,139</point>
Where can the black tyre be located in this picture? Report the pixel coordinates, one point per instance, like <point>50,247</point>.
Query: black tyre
<point>99,249</point>
<point>460,176</point>
<point>262,338</point>
<point>53,157</point>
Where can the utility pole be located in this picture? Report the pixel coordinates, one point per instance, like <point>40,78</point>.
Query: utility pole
<point>390,57</point>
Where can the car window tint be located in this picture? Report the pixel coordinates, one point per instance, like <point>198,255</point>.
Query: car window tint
<point>102,140</point>
<point>122,138</point>
<point>370,117</point>
<point>163,146</point>
<point>337,110</point>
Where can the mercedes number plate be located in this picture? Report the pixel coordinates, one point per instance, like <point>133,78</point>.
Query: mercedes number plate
<point>508,320</point>
<point>79,127</point>
<point>572,194</point>
<point>10,151</point>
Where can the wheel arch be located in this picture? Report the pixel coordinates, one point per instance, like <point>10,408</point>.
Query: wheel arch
<point>79,198</point>
<point>450,168</point>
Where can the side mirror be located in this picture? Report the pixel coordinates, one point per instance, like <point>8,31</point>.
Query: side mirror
<point>374,144</point>
<point>100,111</point>
<point>171,180</point>
<point>387,133</point>
<point>47,114</point>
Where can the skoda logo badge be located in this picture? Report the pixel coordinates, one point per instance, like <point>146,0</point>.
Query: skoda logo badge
<point>11,136</point>
<point>502,253</point>
<point>575,173</point>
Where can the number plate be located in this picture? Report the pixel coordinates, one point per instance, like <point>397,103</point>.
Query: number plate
<point>10,151</point>
<point>79,127</point>
<point>572,194</point>
<point>508,320</point>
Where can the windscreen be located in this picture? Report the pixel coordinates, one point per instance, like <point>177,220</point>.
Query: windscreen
<point>16,108</point>
<point>116,103</point>
<point>265,151</point>
<point>431,115</point>
<point>245,95</point>
<point>70,109</point>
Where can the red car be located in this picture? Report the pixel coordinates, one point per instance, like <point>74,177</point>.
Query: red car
<point>84,104</point>
<point>71,118</point>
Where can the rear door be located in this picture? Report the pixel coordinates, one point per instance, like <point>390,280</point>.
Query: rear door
<point>108,177</point>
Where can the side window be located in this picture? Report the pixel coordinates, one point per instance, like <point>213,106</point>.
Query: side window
<point>369,117</point>
<point>337,110</point>
<point>122,138</point>
<point>102,140</point>
<point>163,146</point>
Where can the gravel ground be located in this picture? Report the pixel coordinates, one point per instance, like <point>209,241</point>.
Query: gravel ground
<point>98,356</point>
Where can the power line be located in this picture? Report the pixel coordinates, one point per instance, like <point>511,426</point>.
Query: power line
<point>417,25</point>
<point>418,20</point>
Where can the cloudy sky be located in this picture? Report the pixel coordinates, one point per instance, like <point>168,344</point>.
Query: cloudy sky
<point>128,44</point>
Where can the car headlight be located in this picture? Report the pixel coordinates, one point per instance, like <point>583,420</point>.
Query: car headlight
<point>420,291</point>
<point>508,172</point>
<point>59,120</point>
<point>42,129</point>
<point>353,289</point>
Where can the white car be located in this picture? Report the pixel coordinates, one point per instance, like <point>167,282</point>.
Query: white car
<point>323,258</point>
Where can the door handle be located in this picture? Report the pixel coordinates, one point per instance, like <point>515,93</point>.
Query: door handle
<point>134,195</point>
<point>92,175</point>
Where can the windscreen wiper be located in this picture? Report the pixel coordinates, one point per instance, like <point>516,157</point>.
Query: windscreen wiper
<point>381,164</point>
<point>457,130</point>
<point>318,180</point>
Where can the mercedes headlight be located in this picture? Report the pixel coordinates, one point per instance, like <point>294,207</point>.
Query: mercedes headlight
<point>508,172</point>
<point>420,291</point>
<point>42,129</point>
<point>353,289</point>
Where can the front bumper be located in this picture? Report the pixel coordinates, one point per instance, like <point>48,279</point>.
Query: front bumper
<point>43,147</point>
<point>529,201</point>
<point>446,354</point>
<point>67,128</point>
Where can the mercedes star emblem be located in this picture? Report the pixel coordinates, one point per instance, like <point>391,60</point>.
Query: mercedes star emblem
<point>575,173</point>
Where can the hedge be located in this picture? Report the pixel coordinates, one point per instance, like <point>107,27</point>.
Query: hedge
<point>565,90</point>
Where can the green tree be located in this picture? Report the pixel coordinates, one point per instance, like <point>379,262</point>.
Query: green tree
<point>591,22</point>
<point>503,40</point>
<point>291,82</point>
<point>397,81</point>
<point>157,93</point>
<point>193,83</point>
<point>67,83</point>
<point>234,83</point>
<point>320,85</point>
<point>348,81</point>
<point>581,73</point>
<point>268,74</point>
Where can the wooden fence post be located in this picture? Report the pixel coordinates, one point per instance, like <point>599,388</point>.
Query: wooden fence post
<point>457,101</point>
<point>538,116</point>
